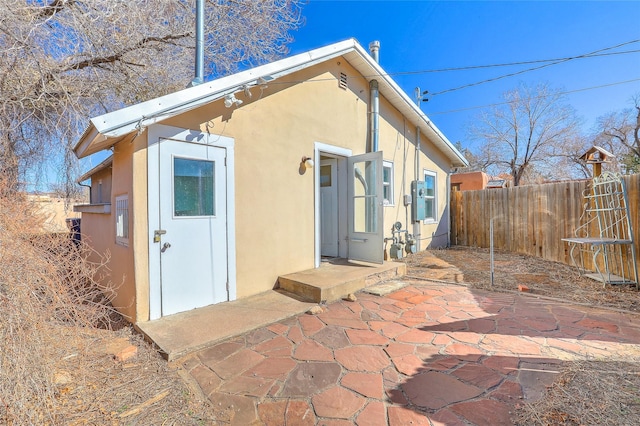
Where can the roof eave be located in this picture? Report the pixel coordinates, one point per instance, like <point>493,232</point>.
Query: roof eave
<point>105,130</point>
<point>103,165</point>
<point>411,110</point>
<point>124,121</point>
<point>86,140</point>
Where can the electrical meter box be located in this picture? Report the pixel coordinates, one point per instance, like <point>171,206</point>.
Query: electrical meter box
<point>418,206</point>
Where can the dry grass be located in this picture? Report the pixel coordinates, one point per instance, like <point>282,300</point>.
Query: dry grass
<point>589,392</point>
<point>543,277</point>
<point>55,328</point>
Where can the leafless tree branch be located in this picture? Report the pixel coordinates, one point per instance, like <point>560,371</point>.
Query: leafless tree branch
<point>63,61</point>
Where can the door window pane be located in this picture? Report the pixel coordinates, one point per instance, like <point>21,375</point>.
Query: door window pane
<point>365,213</point>
<point>193,187</point>
<point>325,176</point>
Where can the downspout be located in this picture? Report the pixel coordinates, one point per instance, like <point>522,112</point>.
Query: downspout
<point>416,225</point>
<point>374,49</point>
<point>199,69</point>
<point>448,212</point>
<point>87,186</point>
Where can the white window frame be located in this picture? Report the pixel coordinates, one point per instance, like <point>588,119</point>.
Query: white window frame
<point>122,220</point>
<point>434,175</point>
<point>390,201</point>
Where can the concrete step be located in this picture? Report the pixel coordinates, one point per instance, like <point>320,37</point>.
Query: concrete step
<point>181,334</point>
<point>337,278</point>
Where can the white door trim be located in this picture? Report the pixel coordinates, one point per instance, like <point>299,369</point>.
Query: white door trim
<point>319,148</point>
<point>155,133</point>
<point>329,230</point>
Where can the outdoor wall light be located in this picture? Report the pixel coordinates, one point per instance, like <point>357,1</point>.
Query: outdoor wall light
<point>231,99</point>
<point>307,162</point>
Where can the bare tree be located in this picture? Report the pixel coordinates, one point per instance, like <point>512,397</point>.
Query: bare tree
<point>525,132</point>
<point>619,132</point>
<point>476,162</point>
<point>64,60</point>
<point>567,161</point>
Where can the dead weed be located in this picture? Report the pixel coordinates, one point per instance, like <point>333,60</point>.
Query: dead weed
<point>55,323</point>
<point>590,392</point>
<point>542,277</point>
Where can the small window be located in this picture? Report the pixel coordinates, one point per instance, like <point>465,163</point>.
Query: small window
<point>430,199</point>
<point>387,183</point>
<point>122,220</point>
<point>193,187</point>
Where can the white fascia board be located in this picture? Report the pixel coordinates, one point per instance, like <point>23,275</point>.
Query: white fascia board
<point>103,165</point>
<point>135,117</point>
<point>89,135</point>
<point>426,125</point>
<point>390,90</point>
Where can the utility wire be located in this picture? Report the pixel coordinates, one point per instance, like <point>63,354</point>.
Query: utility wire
<point>508,64</point>
<point>536,97</point>
<point>586,55</point>
<point>547,63</point>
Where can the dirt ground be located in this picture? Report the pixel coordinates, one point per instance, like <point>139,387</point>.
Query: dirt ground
<point>592,392</point>
<point>94,388</point>
<point>542,277</point>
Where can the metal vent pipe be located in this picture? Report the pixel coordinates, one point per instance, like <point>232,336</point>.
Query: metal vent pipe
<point>374,49</point>
<point>199,71</point>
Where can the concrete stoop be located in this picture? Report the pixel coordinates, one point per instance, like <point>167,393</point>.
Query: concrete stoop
<point>337,278</point>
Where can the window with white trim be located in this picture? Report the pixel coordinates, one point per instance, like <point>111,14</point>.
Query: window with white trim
<point>387,183</point>
<point>122,220</point>
<point>430,198</point>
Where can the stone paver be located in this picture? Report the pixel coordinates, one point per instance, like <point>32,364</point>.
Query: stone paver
<point>310,378</point>
<point>426,354</point>
<point>337,402</point>
<point>434,390</point>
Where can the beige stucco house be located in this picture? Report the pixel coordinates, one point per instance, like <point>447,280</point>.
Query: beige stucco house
<point>213,192</point>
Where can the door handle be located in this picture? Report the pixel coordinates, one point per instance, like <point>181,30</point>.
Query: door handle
<point>164,248</point>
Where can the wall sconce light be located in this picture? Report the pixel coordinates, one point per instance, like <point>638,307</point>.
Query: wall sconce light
<point>307,162</point>
<point>231,99</point>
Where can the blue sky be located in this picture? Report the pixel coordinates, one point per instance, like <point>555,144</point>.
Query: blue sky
<point>417,36</point>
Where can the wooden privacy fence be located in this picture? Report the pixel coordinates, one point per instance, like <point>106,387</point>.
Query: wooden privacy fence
<point>529,219</point>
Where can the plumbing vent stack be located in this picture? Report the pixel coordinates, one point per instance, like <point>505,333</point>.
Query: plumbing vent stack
<point>374,49</point>
<point>199,67</point>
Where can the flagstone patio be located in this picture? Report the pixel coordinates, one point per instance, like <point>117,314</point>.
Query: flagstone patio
<point>427,354</point>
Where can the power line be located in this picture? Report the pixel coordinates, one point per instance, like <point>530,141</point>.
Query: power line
<point>586,55</point>
<point>508,64</point>
<point>536,97</point>
<point>546,62</point>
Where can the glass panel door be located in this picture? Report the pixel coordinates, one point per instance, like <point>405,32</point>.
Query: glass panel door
<point>365,198</point>
<point>364,190</point>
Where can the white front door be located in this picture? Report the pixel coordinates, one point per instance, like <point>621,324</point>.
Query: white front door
<point>329,207</point>
<point>193,226</point>
<point>365,207</point>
